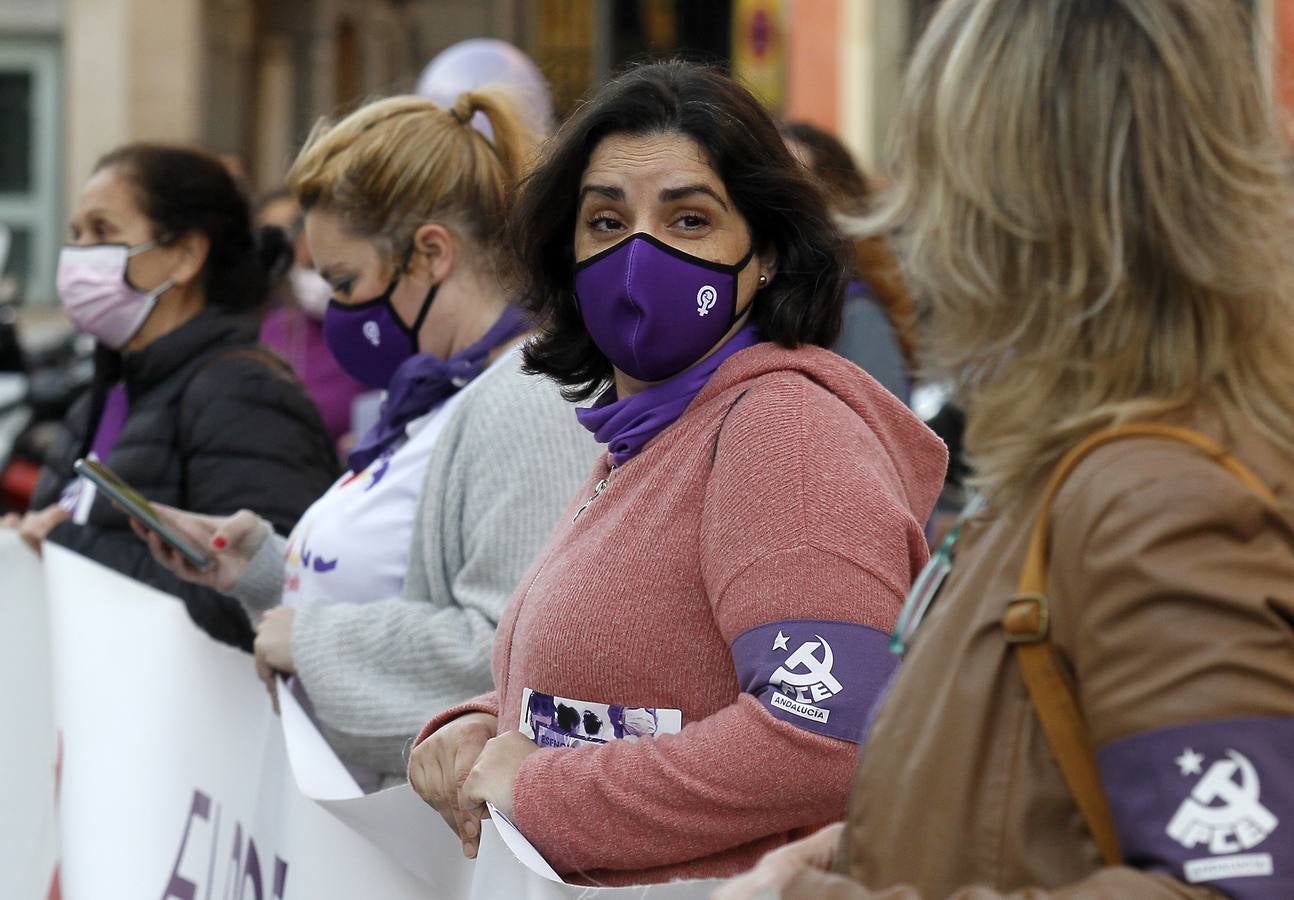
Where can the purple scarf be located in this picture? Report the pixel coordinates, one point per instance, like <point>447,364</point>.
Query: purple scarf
<point>626,426</point>
<point>423,382</point>
<point>116,407</point>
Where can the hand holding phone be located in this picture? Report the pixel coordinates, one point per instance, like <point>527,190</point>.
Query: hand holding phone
<point>232,541</point>
<point>137,507</point>
<point>224,544</point>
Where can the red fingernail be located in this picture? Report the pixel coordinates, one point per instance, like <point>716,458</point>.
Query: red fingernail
<point>219,543</point>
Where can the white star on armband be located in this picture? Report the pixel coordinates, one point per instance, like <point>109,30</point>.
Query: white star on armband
<point>1190,762</point>
<point>779,642</point>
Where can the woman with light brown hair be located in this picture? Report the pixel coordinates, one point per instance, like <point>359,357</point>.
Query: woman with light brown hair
<point>1094,206</point>
<point>383,601</point>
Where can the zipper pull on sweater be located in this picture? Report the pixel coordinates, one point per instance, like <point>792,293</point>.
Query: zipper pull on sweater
<point>597,492</point>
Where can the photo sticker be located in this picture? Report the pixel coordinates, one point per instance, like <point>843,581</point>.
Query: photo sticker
<point>559,722</point>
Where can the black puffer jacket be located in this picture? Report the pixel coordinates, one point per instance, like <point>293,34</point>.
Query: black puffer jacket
<point>212,428</point>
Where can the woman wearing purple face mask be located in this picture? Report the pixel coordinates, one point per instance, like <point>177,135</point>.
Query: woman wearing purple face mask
<point>735,561</point>
<point>383,601</point>
<point>164,271</point>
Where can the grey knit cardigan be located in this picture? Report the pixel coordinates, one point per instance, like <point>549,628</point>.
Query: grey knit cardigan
<point>510,458</point>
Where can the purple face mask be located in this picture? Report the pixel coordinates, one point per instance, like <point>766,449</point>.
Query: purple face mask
<point>654,310</point>
<point>369,340</point>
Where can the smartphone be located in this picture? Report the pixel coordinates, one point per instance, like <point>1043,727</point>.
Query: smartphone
<point>134,504</point>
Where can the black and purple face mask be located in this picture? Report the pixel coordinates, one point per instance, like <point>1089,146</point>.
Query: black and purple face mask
<point>369,340</point>
<point>654,310</point>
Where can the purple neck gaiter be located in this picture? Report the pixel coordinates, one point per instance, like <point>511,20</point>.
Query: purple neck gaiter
<point>424,381</point>
<point>113,418</point>
<point>626,426</point>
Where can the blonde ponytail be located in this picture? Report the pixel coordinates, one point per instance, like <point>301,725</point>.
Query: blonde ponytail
<point>395,164</point>
<point>513,141</point>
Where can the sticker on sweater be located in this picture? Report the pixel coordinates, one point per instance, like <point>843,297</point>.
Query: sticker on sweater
<point>78,497</point>
<point>819,675</point>
<point>557,722</point>
<point>1209,802</point>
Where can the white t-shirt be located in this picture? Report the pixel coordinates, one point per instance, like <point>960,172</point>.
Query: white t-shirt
<point>352,544</point>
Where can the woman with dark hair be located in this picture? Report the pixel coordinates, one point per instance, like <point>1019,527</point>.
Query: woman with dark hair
<point>878,320</point>
<point>737,559</point>
<point>165,272</point>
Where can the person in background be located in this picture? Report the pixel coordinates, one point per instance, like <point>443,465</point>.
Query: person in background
<point>384,600</point>
<point>879,325</point>
<point>735,562</point>
<point>494,64</point>
<point>293,326</point>
<point>165,272</point>
<point>1093,201</point>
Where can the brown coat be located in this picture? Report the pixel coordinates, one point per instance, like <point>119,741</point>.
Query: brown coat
<point>1172,590</point>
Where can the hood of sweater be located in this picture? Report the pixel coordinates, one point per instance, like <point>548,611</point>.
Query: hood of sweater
<point>917,456</point>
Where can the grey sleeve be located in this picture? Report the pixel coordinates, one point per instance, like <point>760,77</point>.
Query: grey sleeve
<point>868,341</point>
<point>260,587</point>
<point>497,481</point>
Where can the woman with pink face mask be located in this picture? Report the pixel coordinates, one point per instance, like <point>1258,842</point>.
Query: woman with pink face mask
<point>164,271</point>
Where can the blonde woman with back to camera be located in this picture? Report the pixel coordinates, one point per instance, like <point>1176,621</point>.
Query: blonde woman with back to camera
<point>1094,207</point>
<point>383,601</point>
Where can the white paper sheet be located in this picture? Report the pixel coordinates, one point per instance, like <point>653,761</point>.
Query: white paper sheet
<point>521,848</point>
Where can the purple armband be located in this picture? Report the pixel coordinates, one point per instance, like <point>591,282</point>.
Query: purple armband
<point>1209,803</point>
<point>818,675</point>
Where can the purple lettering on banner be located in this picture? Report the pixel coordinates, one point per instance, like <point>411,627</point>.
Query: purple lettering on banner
<point>819,675</point>
<point>252,870</point>
<point>179,887</point>
<point>280,877</point>
<point>1209,803</point>
<point>234,874</point>
<point>237,874</point>
<point>215,840</point>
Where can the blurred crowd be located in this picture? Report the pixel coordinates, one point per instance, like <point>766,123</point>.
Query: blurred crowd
<point>713,508</point>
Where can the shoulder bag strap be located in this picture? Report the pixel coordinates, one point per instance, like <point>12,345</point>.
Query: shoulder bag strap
<point>1027,623</point>
<point>271,360</point>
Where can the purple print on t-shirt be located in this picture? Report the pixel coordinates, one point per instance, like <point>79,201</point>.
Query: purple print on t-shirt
<point>820,675</point>
<point>1209,803</point>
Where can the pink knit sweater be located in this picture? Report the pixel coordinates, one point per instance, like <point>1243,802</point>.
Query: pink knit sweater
<point>781,512</point>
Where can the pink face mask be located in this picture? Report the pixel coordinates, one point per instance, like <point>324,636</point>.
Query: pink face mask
<point>96,295</point>
<point>312,291</point>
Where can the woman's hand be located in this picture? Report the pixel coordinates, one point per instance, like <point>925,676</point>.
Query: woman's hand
<point>230,541</point>
<point>491,780</point>
<point>273,649</point>
<point>778,869</point>
<point>439,766</point>
<point>34,527</point>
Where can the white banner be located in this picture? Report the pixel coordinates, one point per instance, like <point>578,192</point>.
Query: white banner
<point>29,748</point>
<point>179,782</point>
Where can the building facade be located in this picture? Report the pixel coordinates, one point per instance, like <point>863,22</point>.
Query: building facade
<point>248,78</point>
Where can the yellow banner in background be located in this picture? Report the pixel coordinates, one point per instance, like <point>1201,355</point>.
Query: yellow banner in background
<point>759,49</point>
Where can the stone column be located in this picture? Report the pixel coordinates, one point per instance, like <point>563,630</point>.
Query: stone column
<point>133,72</point>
